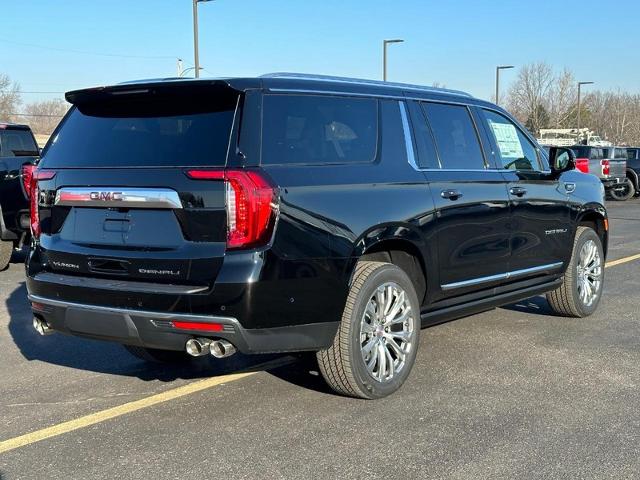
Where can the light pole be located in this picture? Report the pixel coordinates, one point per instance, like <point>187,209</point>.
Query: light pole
<point>579,88</point>
<point>384,55</point>
<point>196,59</point>
<point>498,68</point>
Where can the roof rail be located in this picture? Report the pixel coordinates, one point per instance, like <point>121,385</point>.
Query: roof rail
<point>358,81</point>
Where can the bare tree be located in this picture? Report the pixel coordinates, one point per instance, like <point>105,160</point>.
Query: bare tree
<point>527,98</point>
<point>9,97</point>
<point>562,100</point>
<point>43,117</point>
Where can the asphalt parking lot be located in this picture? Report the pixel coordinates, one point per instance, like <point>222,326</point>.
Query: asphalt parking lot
<point>511,393</point>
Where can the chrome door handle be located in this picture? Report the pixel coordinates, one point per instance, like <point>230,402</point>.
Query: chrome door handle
<point>518,191</point>
<point>451,194</point>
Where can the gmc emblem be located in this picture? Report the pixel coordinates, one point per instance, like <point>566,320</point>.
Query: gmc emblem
<point>106,196</point>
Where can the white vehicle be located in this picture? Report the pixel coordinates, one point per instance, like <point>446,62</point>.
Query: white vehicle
<point>567,137</point>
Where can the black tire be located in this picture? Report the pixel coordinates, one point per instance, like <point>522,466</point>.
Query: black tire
<point>623,194</point>
<point>155,355</point>
<point>565,300</point>
<point>343,365</point>
<point>6,250</point>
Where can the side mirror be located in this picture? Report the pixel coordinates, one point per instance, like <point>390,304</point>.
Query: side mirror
<point>561,159</point>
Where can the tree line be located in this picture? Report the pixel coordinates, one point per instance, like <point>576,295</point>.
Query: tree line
<point>543,98</point>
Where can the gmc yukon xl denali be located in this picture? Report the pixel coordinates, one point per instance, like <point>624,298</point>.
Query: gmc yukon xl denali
<point>292,213</point>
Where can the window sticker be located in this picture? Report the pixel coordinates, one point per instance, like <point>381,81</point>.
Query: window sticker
<point>507,139</point>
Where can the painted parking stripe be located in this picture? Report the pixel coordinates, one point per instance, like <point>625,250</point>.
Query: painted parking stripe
<point>92,419</point>
<point>620,261</point>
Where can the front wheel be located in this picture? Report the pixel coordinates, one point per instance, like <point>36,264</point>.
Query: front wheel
<point>376,344</point>
<point>581,288</point>
<point>625,191</point>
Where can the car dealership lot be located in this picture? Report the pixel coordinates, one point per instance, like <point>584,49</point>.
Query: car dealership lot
<point>511,393</point>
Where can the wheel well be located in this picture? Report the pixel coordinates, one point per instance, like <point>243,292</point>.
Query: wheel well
<point>404,255</point>
<point>597,223</point>
<point>633,176</point>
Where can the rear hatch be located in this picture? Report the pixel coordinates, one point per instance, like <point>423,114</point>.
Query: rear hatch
<point>116,200</point>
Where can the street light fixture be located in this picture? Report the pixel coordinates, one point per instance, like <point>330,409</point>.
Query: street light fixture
<point>384,55</point>
<point>579,88</point>
<point>498,68</point>
<point>195,37</point>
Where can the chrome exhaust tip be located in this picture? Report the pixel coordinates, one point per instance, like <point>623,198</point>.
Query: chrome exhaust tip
<point>197,347</point>
<point>42,327</point>
<point>222,349</point>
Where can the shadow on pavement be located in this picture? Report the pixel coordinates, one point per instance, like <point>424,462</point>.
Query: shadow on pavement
<point>534,305</point>
<point>111,358</point>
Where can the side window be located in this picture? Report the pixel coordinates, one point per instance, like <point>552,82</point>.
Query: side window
<point>455,136</point>
<point>427,156</point>
<point>316,129</point>
<point>515,150</point>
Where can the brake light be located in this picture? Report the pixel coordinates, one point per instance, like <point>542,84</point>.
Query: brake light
<point>37,175</point>
<point>582,164</point>
<point>251,205</point>
<point>606,167</point>
<point>27,174</point>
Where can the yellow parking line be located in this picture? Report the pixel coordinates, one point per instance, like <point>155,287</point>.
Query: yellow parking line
<point>620,261</point>
<point>92,419</point>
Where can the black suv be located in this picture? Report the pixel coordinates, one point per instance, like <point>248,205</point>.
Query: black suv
<point>292,213</point>
<point>18,155</point>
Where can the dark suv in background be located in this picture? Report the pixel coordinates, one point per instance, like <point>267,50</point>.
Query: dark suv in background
<point>292,213</point>
<point>18,155</point>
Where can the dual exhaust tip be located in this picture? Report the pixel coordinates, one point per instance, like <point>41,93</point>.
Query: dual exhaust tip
<point>42,327</point>
<point>197,347</point>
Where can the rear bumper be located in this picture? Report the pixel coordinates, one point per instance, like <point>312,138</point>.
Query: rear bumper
<point>613,182</point>
<point>155,330</point>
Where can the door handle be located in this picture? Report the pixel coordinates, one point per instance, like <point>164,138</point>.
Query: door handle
<point>451,194</point>
<point>518,191</point>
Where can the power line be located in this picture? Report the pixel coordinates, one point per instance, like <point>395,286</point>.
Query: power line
<point>85,52</point>
<point>35,115</point>
<point>20,92</point>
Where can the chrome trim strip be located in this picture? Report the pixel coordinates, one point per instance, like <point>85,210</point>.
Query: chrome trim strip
<point>408,139</point>
<point>502,276</point>
<point>336,93</point>
<point>118,197</point>
<point>135,313</point>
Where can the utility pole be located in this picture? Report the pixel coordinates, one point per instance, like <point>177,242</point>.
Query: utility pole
<point>384,55</point>
<point>498,68</point>
<point>179,67</point>
<point>579,107</point>
<point>196,56</point>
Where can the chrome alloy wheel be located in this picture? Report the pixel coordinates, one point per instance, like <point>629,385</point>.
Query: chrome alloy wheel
<point>386,331</point>
<point>589,273</point>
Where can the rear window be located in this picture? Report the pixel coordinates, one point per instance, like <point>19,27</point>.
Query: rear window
<point>17,143</point>
<point>177,130</point>
<point>307,129</point>
<point>581,152</point>
<point>620,154</point>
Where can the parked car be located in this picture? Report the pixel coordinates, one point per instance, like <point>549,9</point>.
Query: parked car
<point>296,213</point>
<point>633,167</point>
<point>609,164</point>
<point>18,154</point>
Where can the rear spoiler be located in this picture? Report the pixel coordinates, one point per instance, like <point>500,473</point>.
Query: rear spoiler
<point>138,90</point>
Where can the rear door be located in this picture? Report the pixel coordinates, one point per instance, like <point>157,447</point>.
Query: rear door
<point>121,202</point>
<point>540,227</point>
<point>472,205</point>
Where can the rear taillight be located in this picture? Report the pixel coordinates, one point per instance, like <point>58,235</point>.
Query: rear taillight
<point>36,176</point>
<point>251,205</point>
<point>27,175</point>
<point>582,164</point>
<point>606,167</point>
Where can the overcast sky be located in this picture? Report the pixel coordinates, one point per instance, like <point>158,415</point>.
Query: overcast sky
<point>49,45</point>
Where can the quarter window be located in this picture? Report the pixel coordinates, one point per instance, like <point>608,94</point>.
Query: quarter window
<point>515,150</point>
<point>455,136</point>
<point>306,129</point>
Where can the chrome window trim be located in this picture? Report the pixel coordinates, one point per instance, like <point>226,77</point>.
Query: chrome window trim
<point>408,138</point>
<point>502,276</point>
<point>106,197</point>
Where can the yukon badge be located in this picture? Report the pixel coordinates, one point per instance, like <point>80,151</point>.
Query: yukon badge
<point>106,196</point>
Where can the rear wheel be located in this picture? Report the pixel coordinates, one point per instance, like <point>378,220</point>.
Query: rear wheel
<point>375,347</point>
<point>581,288</point>
<point>625,191</point>
<point>6,249</point>
<point>155,355</point>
